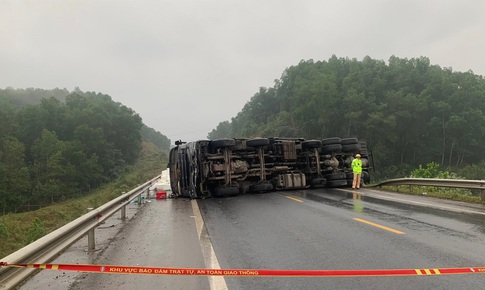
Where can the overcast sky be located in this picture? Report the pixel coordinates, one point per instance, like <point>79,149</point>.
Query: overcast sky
<point>186,65</point>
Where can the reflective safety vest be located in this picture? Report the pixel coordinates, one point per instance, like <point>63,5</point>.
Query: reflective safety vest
<point>357,166</point>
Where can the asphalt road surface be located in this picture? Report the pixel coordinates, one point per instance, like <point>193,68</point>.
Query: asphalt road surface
<point>323,229</point>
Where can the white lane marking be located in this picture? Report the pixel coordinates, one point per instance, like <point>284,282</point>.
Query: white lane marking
<point>210,258</point>
<point>454,209</point>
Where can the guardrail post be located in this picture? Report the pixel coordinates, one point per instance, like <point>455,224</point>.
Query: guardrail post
<point>123,210</point>
<point>482,195</point>
<point>123,213</point>
<point>139,199</point>
<point>91,242</point>
<point>148,194</point>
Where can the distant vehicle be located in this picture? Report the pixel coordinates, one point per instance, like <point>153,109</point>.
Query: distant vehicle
<point>227,167</point>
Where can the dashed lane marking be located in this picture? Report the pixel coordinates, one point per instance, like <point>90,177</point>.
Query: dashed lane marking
<point>292,198</point>
<point>379,226</point>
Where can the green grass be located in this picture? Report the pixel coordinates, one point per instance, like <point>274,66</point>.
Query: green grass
<point>456,194</point>
<point>18,230</point>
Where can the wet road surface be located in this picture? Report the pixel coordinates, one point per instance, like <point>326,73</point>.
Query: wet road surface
<point>307,229</point>
<point>322,229</point>
<point>161,233</point>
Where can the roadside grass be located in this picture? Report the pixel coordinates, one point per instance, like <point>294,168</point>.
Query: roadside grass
<point>434,170</point>
<point>18,230</point>
<point>455,194</point>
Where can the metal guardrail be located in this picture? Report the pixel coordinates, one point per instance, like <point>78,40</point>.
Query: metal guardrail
<point>48,247</point>
<point>455,183</point>
<point>51,245</point>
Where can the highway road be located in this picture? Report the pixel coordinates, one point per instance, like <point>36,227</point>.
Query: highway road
<point>322,229</point>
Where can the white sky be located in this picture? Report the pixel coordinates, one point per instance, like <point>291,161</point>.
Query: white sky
<point>200,61</point>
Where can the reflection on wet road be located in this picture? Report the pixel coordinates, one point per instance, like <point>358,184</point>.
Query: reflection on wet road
<point>322,229</point>
<point>411,211</point>
<point>344,229</point>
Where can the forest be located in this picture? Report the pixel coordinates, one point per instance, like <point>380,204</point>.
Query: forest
<point>56,144</point>
<point>409,111</point>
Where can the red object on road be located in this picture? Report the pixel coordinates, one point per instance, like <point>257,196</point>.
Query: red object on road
<point>161,194</point>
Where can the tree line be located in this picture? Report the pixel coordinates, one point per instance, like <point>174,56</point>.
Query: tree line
<point>57,147</point>
<point>409,111</point>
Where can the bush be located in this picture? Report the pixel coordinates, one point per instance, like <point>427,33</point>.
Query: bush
<point>36,231</point>
<point>473,171</point>
<point>3,231</point>
<point>432,170</point>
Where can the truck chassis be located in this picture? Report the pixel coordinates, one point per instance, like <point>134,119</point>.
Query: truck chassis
<point>228,167</point>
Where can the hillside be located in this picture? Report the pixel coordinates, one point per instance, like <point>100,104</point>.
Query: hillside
<point>56,145</point>
<point>409,111</point>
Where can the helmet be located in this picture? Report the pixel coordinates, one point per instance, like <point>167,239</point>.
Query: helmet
<point>357,155</point>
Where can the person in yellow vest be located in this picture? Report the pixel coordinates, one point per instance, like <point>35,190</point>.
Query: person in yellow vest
<point>357,169</point>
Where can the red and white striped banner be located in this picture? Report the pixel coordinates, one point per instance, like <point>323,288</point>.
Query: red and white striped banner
<point>111,269</point>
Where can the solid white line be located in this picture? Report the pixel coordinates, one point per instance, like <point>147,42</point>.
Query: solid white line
<point>438,206</point>
<point>210,258</point>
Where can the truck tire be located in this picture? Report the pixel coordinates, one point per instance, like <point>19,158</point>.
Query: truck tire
<point>221,143</point>
<point>337,183</point>
<point>318,182</point>
<point>311,144</point>
<point>261,187</point>
<point>363,148</point>
<point>334,176</point>
<point>349,182</point>
<point>257,142</point>
<point>347,141</point>
<point>331,148</point>
<point>350,148</point>
<point>226,191</point>
<point>332,140</point>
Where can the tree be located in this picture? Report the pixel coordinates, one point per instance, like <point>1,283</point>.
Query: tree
<point>49,167</point>
<point>223,130</point>
<point>14,175</point>
<point>408,110</point>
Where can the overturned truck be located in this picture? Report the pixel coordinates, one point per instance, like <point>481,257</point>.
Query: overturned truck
<point>226,167</point>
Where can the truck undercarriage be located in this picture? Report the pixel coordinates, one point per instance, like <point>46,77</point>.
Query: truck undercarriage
<point>226,167</point>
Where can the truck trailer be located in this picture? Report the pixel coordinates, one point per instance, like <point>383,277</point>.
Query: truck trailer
<point>232,166</point>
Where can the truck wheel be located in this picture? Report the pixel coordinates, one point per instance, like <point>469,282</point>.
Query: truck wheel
<point>349,182</point>
<point>347,141</point>
<point>334,176</point>
<point>220,143</point>
<point>226,191</point>
<point>363,148</point>
<point>310,144</point>
<point>261,187</point>
<point>318,182</point>
<point>331,148</point>
<point>337,183</point>
<point>350,148</point>
<point>257,142</point>
<point>332,140</point>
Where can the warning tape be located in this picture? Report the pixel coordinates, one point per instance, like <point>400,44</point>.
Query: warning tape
<point>110,269</point>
